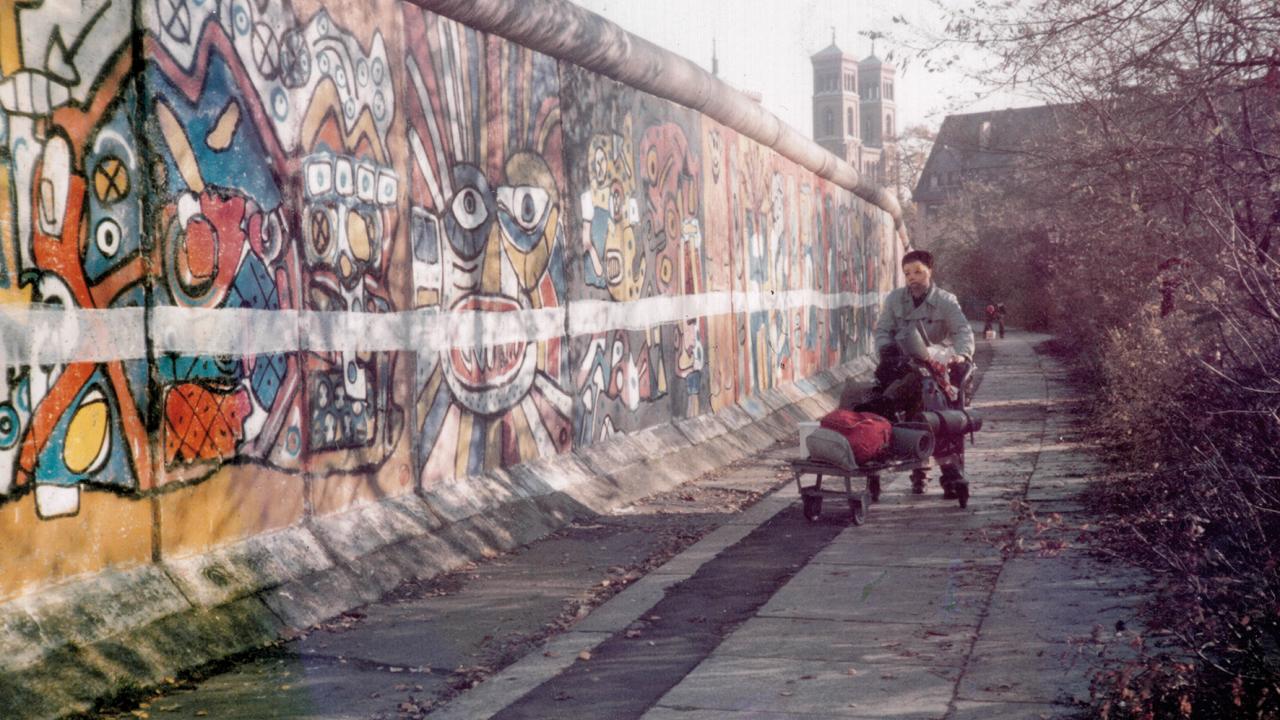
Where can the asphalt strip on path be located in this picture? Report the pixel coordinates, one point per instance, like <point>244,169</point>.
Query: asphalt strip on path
<point>626,674</point>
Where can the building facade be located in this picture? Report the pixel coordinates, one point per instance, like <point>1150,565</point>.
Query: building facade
<point>984,147</point>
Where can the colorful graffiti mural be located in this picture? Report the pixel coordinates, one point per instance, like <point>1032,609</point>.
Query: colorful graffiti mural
<point>224,242</point>
<point>639,353</point>
<point>249,103</point>
<point>71,191</point>
<point>488,234</point>
<point>246,251</point>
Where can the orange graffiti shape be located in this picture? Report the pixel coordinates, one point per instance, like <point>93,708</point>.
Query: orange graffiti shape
<point>203,425</point>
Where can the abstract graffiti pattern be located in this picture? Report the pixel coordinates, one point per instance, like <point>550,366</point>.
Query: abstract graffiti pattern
<point>246,98</point>
<point>640,243</point>
<point>70,213</point>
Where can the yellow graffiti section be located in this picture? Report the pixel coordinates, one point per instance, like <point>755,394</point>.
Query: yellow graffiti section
<point>236,503</point>
<point>358,237</point>
<point>86,436</point>
<point>10,48</point>
<point>35,554</point>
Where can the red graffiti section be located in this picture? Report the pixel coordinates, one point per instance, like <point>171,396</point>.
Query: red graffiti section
<point>203,425</point>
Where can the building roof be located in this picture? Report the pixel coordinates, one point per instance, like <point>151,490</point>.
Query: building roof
<point>964,147</point>
<point>831,50</point>
<point>871,60</point>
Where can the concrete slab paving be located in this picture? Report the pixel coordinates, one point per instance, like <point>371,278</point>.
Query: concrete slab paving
<point>1027,614</point>
<point>1000,601</point>
<point>859,644</point>
<point>665,713</point>
<point>1029,672</point>
<point>968,710</point>
<point>926,611</point>
<point>519,678</point>
<point>946,550</point>
<point>920,595</point>
<point>806,687</point>
<point>291,687</point>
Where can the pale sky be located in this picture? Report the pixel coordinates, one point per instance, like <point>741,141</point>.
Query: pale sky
<point>765,45</point>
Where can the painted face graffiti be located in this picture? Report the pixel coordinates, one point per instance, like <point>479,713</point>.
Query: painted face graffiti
<point>487,234</point>
<point>499,242</point>
<point>349,218</point>
<point>671,190</point>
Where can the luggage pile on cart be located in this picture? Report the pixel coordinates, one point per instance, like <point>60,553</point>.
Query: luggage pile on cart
<point>905,425</point>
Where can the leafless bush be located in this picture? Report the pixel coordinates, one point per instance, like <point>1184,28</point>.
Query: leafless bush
<point>1152,217</point>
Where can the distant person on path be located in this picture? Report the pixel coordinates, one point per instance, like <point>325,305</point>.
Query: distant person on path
<point>1000,313</point>
<point>942,319</point>
<point>989,315</point>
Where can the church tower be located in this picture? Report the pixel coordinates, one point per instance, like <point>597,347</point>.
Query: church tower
<point>836,107</point>
<point>879,111</point>
<point>879,129</point>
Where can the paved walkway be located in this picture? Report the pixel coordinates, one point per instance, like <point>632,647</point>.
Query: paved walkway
<point>926,611</point>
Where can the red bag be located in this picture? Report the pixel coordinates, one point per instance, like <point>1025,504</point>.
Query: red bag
<point>868,434</point>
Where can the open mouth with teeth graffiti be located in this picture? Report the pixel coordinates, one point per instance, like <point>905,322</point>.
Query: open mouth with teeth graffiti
<point>491,377</point>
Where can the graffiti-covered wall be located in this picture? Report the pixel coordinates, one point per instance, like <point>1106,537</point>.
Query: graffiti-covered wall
<point>265,261</point>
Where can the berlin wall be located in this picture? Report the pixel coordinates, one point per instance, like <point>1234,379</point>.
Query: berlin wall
<point>263,263</point>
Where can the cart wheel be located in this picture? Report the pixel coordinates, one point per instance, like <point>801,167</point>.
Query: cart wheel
<point>873,487</point>
<point>857,511</point>
<point>812,507</point>
<point>962,494</point>
<point>917,481</point>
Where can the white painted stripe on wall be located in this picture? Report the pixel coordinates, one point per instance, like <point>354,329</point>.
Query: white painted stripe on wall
<point>30,335</point>
<point>43,335</point>
<point>431,328</point>
<point>355,332</point>
<point>226,331</point>
<point>595,316</point>
<point>796,299</point>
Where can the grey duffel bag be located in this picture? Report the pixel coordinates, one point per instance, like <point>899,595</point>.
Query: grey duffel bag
<point>830,446</point>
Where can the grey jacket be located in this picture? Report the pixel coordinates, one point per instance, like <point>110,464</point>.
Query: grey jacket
<point>943,319</point>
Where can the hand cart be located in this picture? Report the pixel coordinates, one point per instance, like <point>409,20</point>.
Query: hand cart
<point>859,501</point>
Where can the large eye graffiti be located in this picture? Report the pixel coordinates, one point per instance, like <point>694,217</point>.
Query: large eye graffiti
<point>471,212</point>
<point>344,180</point>
<point>525,204</point>
<point>275,232</point>
<point>670,219</point>
<point>525,212</point>
<point>688,197</point>
<point>319,174</point>
<point>10,426</point>
<point>469,209</point>
<point>366,182</point>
